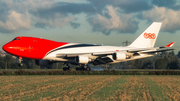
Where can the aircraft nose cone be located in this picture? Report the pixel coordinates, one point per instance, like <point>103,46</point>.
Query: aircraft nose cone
<point>11,48</point>
<point>6,47</point>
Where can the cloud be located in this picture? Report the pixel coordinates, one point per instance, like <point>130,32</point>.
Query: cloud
<point>103,15</point>
<point>51,13</point>
<point>74,25</point>
<point>171,4</point>
<point>107,22</point>
<point>15,14</point>
<point>15,21</point>
<point>120,23</point>
<point>53,21</point>
<point>169,18</point>
<point>127,6</point>
<point>63,8</point>
<point>162,3</point>
<point>59,14</point>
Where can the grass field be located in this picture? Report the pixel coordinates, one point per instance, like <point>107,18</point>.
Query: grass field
<point>90,88</point>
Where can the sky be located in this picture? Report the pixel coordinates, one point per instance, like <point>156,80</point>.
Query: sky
<point>107,22</point>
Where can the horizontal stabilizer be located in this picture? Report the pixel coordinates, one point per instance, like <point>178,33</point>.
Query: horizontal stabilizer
<point>169,45</point>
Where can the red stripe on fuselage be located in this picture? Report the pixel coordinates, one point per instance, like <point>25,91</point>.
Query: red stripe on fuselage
<point>30,47</point>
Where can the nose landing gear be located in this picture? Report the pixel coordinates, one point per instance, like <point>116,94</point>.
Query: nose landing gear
<point>20,61</point>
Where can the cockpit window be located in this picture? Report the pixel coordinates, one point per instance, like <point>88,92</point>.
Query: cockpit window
<point>16,39</point>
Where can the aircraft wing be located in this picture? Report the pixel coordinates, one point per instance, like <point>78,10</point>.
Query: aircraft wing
<point>106,56</point>
<point>162,50</point>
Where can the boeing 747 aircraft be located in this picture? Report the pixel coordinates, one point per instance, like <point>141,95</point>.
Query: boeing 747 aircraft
<point>46,51</point>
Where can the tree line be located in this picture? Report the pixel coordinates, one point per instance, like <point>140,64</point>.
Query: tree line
<point>164,60</point>
<point>10,62</point>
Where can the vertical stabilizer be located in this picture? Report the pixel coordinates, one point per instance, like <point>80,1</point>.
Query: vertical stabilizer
<point>148,38</point>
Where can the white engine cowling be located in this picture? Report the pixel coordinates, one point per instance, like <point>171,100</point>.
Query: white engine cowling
<point>119,56</point>
<point>42,62</point>
<point>82,59</point>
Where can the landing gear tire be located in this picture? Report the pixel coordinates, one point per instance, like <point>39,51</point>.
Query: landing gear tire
<point>66,69</point>
<point>88,69</point>
<point>83,69</point>
<point>20,64</point>
<point>78,69</point>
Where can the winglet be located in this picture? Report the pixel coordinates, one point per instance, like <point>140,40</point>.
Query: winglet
<point>170,45</point>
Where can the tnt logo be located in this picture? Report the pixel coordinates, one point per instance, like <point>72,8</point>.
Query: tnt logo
<point>149,35</point>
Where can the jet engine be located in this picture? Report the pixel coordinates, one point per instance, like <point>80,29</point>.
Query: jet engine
<point>120,56</point>
<point>42,62</point>
<point>82,59</point>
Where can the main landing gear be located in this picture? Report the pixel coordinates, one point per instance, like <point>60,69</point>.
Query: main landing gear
<point>67,68</point>
<point>83,68</point>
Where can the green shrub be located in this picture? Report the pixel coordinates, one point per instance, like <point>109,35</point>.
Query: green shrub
<point>105,72</point>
